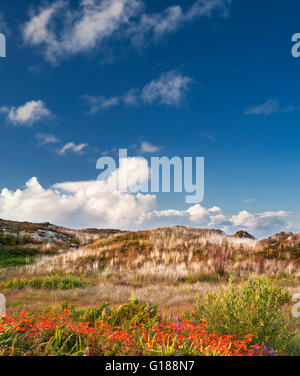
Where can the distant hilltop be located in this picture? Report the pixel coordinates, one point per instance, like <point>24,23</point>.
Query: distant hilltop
<point>47,232</point>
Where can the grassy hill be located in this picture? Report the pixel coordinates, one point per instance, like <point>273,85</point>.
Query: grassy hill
<point>167,265</point>
<point>44,267</point>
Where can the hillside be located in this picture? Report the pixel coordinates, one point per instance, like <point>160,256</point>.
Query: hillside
<point>40,233</point>
<point>174,254</point>
<point>43,265</point>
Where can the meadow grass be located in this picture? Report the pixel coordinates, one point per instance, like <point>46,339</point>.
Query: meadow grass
<point>47,283</point>
<point>164,268</point>
<point>13,257</point>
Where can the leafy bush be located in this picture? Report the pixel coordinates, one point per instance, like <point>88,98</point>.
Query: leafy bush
<point>133,312</point>
<point>49,283</point>
<point>89,314</point>
<point>255,307</point>
<point>126,315</point>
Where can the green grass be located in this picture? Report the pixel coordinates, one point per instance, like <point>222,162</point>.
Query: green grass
<point>48,283</point>
<point>16,261</point>
<point>11,257</point>
<point>209,278</point>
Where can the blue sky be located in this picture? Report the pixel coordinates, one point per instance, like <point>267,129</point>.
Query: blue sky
<point>210,78</point>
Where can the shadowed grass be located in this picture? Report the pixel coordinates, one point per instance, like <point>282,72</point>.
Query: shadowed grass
<point>48,283</point>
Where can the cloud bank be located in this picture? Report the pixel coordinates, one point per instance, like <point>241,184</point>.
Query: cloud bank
<point>81,204</point>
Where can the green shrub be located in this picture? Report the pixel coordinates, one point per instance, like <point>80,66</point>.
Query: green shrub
<point>255,307</point>
<point>16,261</point>
<point>10,257</point>
<point>125,315</point>
<point>89,314</point>
<point>133,313</point>
<point>48,283</point>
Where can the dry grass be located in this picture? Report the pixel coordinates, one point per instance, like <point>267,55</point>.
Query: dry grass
<point>170,253</point>
<point>165,266</point>
<point>176,299</point>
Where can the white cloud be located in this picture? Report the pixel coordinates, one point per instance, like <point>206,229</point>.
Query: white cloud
<point>77,204</point>
<point>3,25</point>
<point>82,29</point>
<point>27,114</point>
<point>131,98</point>
<point>248,200</point>
<point>262,222</point>
<point>72,147</point>
<point>215,209</point>
<point>101,103</point>
<point>169,89</point>
<point>84,204</point>
<point>206,8</point>
<point>269,107</point>
<point>172,18</point>
<point>146,147</point>
<point>158,24</point>
<point>132,171</point>
<point>62,31</point>
<point>45,139</point>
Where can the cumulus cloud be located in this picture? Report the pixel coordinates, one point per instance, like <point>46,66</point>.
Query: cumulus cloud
<point>83,204</point>
<point>27,114</point>
<point>263,222</point>
<point>73,148</point>
<point>169,89</point>
<point>62,31</point>
<point>133,174</point>
<point>77,204</point>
